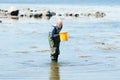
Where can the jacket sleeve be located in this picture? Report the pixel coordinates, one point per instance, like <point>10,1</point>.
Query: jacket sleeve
<point>53,33</point>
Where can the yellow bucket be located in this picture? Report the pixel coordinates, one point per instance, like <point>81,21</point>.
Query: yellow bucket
<point>63,36</point>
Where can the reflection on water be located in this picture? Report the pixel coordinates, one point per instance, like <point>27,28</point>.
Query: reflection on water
<point>54,71</point>
<point>13,19</point>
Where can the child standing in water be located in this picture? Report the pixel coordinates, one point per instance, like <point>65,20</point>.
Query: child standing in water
<point>54,40</point>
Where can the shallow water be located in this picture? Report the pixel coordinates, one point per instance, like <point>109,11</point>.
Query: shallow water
<point>92,51</point>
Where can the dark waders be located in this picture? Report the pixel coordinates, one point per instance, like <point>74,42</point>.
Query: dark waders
<point>54,46</point>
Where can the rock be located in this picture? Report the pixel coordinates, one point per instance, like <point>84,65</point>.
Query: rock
<point>76,15</point>
<point>31,10</point>
<point>0,21</point>
<point>103,14</point>
<point>81,14</point>
<point>31,15</point>
<point>99,14</point>
<point>59,14</point>
<point>48,14</point>
<point>35,11</point>
<point>38,15</point>
<point>66,14</point>
<point>13,11</point>
<point>53,13</point>
<point>21,15</point>
<point>6,11</point>
<point>70,14</point>
<point>89,14</point>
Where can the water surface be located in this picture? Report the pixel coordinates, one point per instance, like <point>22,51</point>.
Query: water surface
<point>92,51</point>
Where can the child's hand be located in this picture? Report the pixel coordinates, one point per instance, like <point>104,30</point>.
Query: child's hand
<point>56,35</point>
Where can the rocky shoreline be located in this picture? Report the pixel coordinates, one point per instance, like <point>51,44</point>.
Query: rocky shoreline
<point>29,13</point>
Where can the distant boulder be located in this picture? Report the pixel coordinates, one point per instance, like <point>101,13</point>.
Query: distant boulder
<point>0,21</point>
<point>38,15</point>
<point>13,11</point>
<point>99,14</point>
<point>66,14</point>
<point>22,15</point>
<point>48,13</point>
<point>70,14</point>
<point>59,14</point>
<point>76,15</point>
<point>53,13</point>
